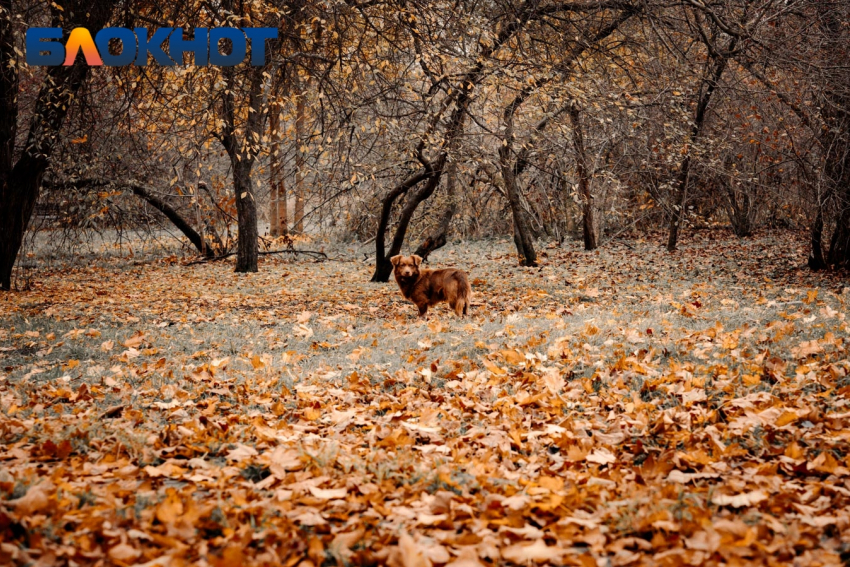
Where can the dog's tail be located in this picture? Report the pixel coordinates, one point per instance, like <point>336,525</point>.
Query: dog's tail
<point>464,296</point>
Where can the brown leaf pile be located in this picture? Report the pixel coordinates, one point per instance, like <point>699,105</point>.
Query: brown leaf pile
<point>619,408</point>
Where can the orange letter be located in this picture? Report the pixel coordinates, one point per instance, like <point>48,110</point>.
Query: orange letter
<point>81,39</point>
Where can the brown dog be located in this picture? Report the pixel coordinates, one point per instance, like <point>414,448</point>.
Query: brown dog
<point>428,287</point>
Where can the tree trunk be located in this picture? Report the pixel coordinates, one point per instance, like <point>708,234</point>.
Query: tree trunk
<point>677,215</point>
<point>18,196</point>
<point>583,171</point>
<point>520,247</point>
<point>836,114</point>
<point>20,181</point>
<point>439,236</point>
<point>242,156</point>
<point>431,174</point>
<point>839,246</point>
<point>298,217</point>
<point>739,213</point>
<point>838,175</point>
<point>246,214</point>
<point>383,267</point>
<point>816,259</point>
<point>176,218</point>
<point>523,238</point>
<point>277,188</point>
<point>522,233</point>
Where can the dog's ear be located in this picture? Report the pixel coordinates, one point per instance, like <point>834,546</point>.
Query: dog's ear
<point>395,260</point>
<point>417,260</point>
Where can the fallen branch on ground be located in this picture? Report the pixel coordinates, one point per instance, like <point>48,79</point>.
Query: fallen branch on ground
<point>314,253</point>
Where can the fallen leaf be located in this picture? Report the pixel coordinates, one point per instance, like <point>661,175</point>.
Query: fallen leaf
<point>408,553</point>
<point>602,457</point>
<point>739,500</point>
<point>282,460</point>
<point>467,557</point>
<point>36,499</point>
<point>538,552</point>
<point>123,553</point>
<point>328,494</point>
<point>241,453</point>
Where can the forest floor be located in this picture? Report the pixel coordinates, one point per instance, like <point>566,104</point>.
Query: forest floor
<point>621,407</point>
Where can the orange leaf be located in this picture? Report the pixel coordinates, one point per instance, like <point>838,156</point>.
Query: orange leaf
<point>170,509</point>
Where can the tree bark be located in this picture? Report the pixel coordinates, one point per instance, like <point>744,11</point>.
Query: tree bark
<point>384,268</point>
<point>176,218</point>
<point>839,246</point>
<point>439,236</point>
<point>18,195</point>
<point>678,212</point>
<point>242,157</point>
<point>838,175</point>
<point>707,89</point>
<point>523,238</point>
<point>583,171</point>
<point>836,116</point>
<point>816,259</point>
<point>20,181</point>
<point>246,214</point>
<point>298,216</point>
<point>278,215</point>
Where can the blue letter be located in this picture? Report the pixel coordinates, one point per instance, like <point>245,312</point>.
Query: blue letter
<point>153,46</point>
<point>177,46</point>
<point>55,50</point>
<point>237,54</point>
<point>128,46</point>
<point>258,37</point>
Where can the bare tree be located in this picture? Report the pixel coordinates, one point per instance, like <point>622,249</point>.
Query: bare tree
<point>21,172</point>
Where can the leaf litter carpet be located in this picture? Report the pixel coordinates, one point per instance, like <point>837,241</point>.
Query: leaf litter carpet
<point>622,407</point>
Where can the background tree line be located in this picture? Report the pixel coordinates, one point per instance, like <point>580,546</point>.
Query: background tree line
<point>404,122</point>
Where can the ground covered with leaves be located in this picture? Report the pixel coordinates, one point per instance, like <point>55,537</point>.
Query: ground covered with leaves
<point>621,407</point>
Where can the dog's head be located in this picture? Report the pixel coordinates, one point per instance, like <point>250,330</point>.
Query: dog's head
<point>406,267</point>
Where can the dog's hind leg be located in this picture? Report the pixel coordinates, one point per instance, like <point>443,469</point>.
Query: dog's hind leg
<point>455,297</point>
<point>460,306</point>
<point>462,296</point>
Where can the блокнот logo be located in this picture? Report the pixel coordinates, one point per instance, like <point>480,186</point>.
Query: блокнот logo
<point>43,49</point>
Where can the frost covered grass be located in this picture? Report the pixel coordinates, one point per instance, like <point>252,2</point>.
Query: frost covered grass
<point>329,317</point>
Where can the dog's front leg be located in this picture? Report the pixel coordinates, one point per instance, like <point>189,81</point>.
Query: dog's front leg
<point>423,309</point>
